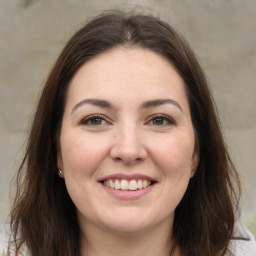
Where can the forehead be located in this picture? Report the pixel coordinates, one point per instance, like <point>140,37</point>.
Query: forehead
<point>120,74</point>
<point>123,62</point>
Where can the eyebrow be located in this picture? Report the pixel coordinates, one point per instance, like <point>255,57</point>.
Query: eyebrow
<point>147,104</point>
<point>95,102</point>
<point>159,102</point>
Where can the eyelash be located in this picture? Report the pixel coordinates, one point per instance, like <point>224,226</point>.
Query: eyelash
<point>164,118</point>
<point>86,120</point>
<point>168,121</point>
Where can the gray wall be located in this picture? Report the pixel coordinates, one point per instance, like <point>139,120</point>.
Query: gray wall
<point>222,32</point>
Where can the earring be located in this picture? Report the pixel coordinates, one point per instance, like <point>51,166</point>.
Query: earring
<point>60,172</point>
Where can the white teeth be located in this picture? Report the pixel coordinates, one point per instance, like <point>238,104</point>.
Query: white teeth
<point>144,183</point>
<point>111,184</point>
<point>139,184</point>
<point>124,185</point>
<point>117,184</point>
<point>133,185</point>
<point>127,185</point>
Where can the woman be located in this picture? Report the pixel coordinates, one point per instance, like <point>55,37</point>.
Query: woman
<point>125,154</point>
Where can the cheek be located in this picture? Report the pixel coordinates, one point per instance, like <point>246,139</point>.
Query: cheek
<point>174,154</point>
<point>81,160</point>
<point>81,155</point>
<point>174,159</point>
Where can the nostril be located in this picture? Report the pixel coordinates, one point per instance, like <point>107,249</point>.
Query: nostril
<point>128,149</point>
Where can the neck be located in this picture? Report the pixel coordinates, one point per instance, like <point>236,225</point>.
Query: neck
<point>155,241</point>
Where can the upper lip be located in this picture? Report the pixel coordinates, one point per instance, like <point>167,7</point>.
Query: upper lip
<point>121,176</point>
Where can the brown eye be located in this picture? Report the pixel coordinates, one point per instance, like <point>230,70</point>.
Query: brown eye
<point>93,121</point>
<point>158,121</point>
<point>161,121</point>
<point>96,121</point>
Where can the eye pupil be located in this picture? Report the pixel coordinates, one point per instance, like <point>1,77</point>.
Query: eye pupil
<point>96,121</point>
<point>158,121</point>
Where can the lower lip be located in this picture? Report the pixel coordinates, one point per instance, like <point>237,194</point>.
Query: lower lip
<point>128,194</point>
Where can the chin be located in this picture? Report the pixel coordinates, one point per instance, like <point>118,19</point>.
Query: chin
<point>129,224</point>
<point>128,227</point>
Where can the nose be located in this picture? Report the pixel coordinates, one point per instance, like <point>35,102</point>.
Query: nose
<point>128,146</point>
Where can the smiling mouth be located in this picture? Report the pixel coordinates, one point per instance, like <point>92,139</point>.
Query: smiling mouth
<point>127,185</point>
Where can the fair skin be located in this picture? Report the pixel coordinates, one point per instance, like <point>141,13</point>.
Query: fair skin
<point>127,151</point>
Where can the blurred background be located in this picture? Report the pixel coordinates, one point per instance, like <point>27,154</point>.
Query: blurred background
<point>221,32</point>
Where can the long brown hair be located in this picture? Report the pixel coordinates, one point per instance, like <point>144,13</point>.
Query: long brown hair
<point>43,217</point>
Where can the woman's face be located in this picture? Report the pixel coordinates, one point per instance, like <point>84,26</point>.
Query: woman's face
<point>127,141</point>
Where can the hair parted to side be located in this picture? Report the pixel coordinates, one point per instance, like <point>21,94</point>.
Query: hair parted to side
<point>43,217</point>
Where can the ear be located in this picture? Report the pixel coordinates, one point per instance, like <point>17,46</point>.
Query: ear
<point>194,163</point>
<point>59,160</point>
